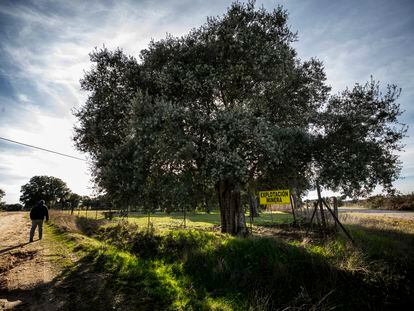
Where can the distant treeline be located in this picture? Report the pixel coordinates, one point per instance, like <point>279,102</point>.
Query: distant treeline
<point>402,202</point>
<point>11,207</point>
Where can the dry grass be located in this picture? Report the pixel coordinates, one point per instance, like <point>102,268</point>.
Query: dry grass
<point>379,222</point>
<point>70,223</point>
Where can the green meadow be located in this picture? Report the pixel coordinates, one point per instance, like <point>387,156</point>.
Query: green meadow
<point>129,265</point>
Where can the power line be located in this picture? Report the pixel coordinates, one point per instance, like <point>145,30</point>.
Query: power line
<point>43,149</point>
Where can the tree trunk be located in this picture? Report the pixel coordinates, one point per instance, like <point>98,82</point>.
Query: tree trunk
<point>206,204</point>
<point>253,205</point>
<point>231,211</point>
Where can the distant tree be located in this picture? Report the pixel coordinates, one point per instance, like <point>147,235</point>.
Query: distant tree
<point>99,202</point>
<point>2,194</point>
<point>13,207</point>
<point>48,188</point>
<point>86,201</point>
<point>74,200</point>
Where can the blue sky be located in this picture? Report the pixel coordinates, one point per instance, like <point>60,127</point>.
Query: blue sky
<point>44,48</point>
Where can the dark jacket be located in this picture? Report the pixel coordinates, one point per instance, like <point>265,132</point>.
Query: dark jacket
<point>39,212</point>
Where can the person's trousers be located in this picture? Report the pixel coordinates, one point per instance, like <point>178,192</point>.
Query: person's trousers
<point>36,223</point>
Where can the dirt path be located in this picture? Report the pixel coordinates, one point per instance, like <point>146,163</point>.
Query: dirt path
<point>23,266</point>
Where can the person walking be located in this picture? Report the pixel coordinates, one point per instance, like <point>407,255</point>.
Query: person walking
<point>37,215</point>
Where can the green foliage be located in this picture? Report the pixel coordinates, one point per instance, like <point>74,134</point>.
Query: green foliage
<point>111,83</point>
<point>194,270</point>
<point>74,200</point>
<point>362,133</point>
<point>171,246</point>
<point>11,207</point>
<point>257,268</point>
<point>206,107</point>
<point>230,106</point>
<point>48,188</point>
<point>403,202</point>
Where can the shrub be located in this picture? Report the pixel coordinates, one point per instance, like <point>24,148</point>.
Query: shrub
<point>12,207</point>
<point>396,202</point>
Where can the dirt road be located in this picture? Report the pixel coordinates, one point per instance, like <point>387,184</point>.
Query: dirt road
<point>23,266</point>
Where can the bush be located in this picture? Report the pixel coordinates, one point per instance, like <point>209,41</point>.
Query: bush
<point>397,202</point>
<point>12,207</point>
<point>146,244</point>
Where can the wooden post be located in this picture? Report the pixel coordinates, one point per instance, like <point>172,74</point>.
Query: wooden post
<point>317,217</point>
<point>86,212</point>
<point>251,222</point>
<point>339,223</point>
<point>96,214</point>
<point>335,207</point>
<point>271,213</point>
<point>318,190</point>
<point>307,210</point>
<point>313,215</point>
<point>184,213</point>
<point>293,210</point>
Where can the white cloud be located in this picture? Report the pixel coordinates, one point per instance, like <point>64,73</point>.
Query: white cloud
<point>55,134</point>
<point>23,98</point>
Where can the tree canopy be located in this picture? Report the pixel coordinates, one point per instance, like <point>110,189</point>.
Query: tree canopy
<point>361,134</point>
<point>47,188</point>
<point>229,106</point>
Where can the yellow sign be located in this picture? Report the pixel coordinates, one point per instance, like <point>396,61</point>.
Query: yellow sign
<point>274,197</point>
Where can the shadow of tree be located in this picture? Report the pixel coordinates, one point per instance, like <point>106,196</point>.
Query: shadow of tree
<point>390,252</point>
<point>89,286</point>
<point>261,273</point>
<point>5,250</point>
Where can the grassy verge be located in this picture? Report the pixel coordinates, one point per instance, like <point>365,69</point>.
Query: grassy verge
<point>118,279</point>
<point>194,220</point>
<point>126,267</point>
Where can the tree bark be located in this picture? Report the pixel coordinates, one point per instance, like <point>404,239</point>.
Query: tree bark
<point>253,205</point>
<point>231,211</point>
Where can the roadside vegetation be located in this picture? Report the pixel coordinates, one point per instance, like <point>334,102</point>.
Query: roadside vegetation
<point>399,202</point>
<point>403,202</point>
<point>139,267</point>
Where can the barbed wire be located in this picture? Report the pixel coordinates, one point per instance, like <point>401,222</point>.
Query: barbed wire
<point>43,149</point>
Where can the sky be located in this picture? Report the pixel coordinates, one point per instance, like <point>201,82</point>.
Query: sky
<point>44,47</point>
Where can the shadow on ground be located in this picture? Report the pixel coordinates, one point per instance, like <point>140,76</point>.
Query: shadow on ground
<point>261,273</point>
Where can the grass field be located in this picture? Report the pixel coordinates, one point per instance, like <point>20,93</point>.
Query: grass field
<point>194,220</point>
<point>130,266</point>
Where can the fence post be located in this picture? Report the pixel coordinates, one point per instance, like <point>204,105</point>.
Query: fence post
<point>318,190</point>
<point>335,207</point>
<point>292,205</point>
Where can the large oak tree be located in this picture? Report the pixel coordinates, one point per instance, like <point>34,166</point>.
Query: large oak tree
<point>229,106</point>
